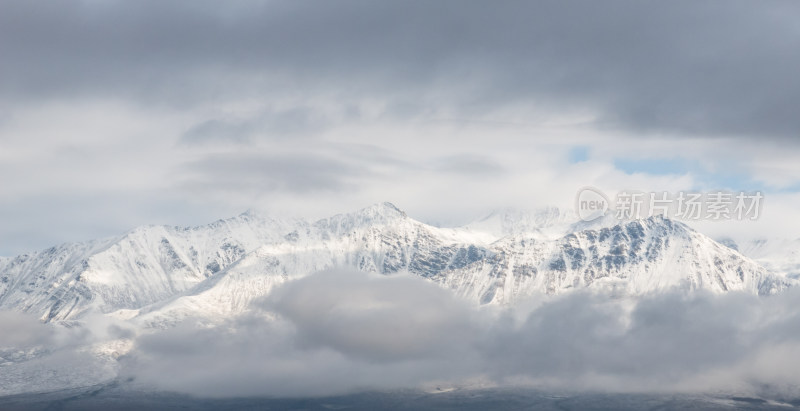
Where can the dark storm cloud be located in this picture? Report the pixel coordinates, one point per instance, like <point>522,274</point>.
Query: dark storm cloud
<point>691,66</point>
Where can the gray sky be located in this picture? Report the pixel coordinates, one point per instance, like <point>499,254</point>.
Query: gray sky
<point>115,114</point>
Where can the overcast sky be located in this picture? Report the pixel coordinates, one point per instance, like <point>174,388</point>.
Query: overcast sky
<point>115,114</point>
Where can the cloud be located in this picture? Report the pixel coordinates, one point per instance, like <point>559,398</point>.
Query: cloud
<point>46,357</point>
<point>116,114</point>
<point>23,330</point>
<point>721,73</point>
<point>333,332</point>
<point>272,124</point>
<point>263,172</point>
<point>373,318</point>
<point>340,331</point>
<point>470,165</point>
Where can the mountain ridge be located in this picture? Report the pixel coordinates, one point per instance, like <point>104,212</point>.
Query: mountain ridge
<point>162,273</point>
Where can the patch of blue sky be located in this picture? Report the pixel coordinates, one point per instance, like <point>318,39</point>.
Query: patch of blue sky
<point>578,154</point>
<point>733,179</point>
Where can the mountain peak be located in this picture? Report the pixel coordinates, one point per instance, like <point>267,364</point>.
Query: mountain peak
<point>386,208</point>
<point>379,212</point>
<point>512,221</point>
<point>251,213</point>
<point>374,215</point>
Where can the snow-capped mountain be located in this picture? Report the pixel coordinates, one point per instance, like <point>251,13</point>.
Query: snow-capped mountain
<point>157,275</point>
<point>632,257</point>
<point>141,267</point>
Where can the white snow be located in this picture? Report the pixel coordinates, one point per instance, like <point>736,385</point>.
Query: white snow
<point>158,275</point>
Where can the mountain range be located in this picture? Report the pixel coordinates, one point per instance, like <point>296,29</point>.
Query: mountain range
<point>158,275</point>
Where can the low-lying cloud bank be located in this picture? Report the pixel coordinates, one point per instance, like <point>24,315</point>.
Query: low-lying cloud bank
<point>37,357</point>
<point>342,331</point>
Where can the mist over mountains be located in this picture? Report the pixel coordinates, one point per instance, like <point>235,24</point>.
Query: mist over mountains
<point>375,300</point>
<point>128,128</point>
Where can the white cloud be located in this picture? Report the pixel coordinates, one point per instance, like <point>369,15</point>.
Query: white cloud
<point>339,331</point>
<point>95,125</point>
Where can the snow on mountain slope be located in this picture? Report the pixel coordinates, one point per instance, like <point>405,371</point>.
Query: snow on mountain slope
<point>378,239</point>
<point>781,256</point>
<point>49,280</point>
<point>142,267</point>
<point>632,257</point>
<point>159,275</point>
